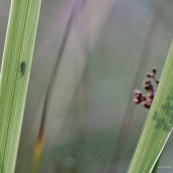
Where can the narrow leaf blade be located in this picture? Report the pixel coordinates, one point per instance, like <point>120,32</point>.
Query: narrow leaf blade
<point>159,123</point>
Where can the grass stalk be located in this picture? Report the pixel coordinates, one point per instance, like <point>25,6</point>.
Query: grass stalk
<point>15,71</point>
<point>158,125</point>
<point>142,65</point>
<point>40,138</point>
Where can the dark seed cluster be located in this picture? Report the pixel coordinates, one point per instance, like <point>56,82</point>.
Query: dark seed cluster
<point>150,86</point>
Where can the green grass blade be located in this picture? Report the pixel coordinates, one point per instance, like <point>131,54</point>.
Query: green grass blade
<point>155,169</point>
<point>159,123</point>
<point>19,46</point>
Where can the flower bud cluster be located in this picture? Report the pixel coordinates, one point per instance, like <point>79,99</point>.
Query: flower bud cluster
<point>150,86</point>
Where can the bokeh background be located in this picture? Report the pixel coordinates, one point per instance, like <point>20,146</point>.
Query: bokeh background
<point>106,43</point>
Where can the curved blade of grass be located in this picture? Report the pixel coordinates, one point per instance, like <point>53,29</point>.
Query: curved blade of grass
<point>15,72</point>
<point>40,138</point>
<point>158,125</point>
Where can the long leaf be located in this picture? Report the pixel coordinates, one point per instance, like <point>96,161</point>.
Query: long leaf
<point>159,123</point>
<point>15,70</point>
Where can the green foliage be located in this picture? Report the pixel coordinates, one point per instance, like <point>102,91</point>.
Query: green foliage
<point>158,124</point>
<point>19,46</point>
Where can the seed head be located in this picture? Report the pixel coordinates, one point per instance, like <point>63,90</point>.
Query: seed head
<point>150,85</point>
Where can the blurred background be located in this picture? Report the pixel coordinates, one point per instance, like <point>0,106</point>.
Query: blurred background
<point>104,49</point>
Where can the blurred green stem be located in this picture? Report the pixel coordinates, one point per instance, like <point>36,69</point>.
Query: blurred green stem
<point>40,139</point>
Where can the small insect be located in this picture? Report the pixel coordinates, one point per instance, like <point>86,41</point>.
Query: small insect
<point>23,69</point>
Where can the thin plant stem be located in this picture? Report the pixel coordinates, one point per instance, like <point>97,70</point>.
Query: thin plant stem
<point>40,139</point>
